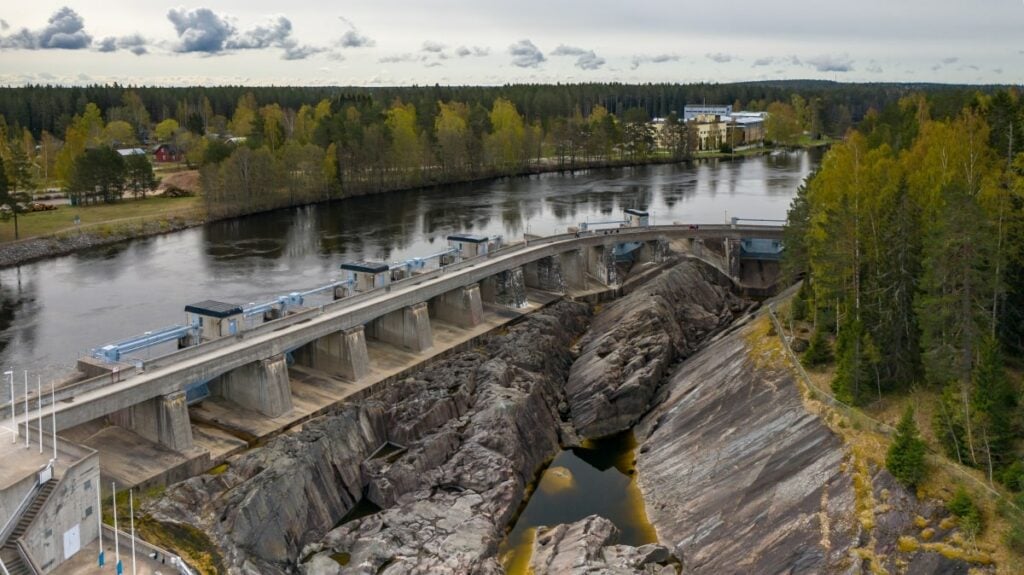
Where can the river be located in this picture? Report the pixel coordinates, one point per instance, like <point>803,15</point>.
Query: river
<point>54,311</point>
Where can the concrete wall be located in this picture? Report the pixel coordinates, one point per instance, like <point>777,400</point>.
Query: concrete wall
<point>262,386</point>
<point>163,419</point>
<point>72,504</point>
<point>462,307</point>
<point>408,328</point>
<point>12,496</point>
<point>341,354</point>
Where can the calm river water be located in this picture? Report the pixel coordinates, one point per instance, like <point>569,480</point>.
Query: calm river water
<point>53,311</point>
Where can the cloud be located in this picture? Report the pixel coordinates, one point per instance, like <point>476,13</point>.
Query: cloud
<point>200,30</point>
<point>477,51</point>
<point>434,64</point>
<point>563,50</point>
<point>203,30</point>
<point>874,68</point>
<point>353,38</point>
<point>134,43</point>
<point>586,59</point>
<point>396,58</point>
<point>525,54</point>
<point>997,70</point>
<point>720,57</point>
<point>950,60</point>
<point>64,30</point>
<point>3,24</point>
<point>277,33</point>
<point>830,63</point>
<point>655,59</point>
<point>763,62</point>
<point>434,47</point>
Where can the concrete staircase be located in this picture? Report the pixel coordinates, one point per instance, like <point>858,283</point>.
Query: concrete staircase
<point>9,551</point>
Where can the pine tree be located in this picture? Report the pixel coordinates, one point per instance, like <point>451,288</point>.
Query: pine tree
<point>819,352</point>
<point>994,403</point>
<point>905,458</point>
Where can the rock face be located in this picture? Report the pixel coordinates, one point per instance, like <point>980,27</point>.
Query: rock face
<point>472,431</point>
<point>633,342</point>
<point>587,546</point>
<point>738,477</point>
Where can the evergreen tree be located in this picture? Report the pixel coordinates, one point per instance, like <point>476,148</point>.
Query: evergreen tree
<point>856,354</point>
<point>819,351</point>
<point>994,403</point>
<point>905,458</point>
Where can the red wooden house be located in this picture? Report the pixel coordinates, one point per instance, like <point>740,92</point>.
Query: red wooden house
<point>167,153</point>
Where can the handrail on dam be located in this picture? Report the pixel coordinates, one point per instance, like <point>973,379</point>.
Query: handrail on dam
<point>356,309</point>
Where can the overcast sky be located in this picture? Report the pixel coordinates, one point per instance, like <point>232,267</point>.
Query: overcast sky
<point>402,42</point>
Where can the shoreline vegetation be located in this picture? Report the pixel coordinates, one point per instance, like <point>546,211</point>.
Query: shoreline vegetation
<point>255,149</point>
<point>53,234</point>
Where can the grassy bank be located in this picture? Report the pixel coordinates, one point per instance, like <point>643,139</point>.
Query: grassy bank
<point>52,222</point>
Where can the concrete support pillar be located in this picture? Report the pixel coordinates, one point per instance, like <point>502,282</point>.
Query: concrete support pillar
<point>574,269</point>
<point>262,386</point>
<point>342,354</point>
<point>507,288</point>
<point>653,252</point>
<point>162,420</point>
<point>732,256</point>
<point>545,274</point>
<point>408,328</point>
<point>601,264</point>
<point>462,307</point>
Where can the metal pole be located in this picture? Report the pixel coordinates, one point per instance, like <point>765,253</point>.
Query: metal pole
<point>39,409</point>
<point>27,416</point>
<point>117,546</point>
<point>53,418</point>
<point>99,524</point>
<point>131,518</point>
<point>14,419</point>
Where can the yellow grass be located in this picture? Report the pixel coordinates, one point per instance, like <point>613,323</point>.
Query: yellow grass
<point>36,224</point>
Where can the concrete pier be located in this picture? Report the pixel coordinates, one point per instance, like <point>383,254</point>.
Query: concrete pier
<point>163,419</point>
<point>408,328</point>
<point>506,288</point>
<point>545,274</point>
<point>262,386</point>
<point>462,307</point>
<point>342,354</point>
<point>601,264</point>
<point>574,269</point>
<point>653,252</point>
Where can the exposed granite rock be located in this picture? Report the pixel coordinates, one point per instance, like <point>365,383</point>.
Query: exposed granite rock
<point>588,546</point>
<point>475,428</point>
<point>739,478</point>
<point>632,343</point>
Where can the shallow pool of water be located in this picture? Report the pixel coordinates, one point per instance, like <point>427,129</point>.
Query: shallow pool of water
<point>596,479</point>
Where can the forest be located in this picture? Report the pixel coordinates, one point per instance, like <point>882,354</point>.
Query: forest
<point>259,148</point>
<point>910,240</point>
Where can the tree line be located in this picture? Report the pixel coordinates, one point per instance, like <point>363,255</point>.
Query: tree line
<point>911,240</point>
<point>261,148</point>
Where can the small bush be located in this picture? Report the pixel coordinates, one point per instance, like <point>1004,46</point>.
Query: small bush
<point>967,512</point>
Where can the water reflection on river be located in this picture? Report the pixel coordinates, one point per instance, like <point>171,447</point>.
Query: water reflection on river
<point>55,310</point>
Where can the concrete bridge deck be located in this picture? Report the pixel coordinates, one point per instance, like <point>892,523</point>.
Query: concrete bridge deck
<point>97,397</point>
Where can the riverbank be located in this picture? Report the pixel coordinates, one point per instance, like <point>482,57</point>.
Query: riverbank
<point>74,238</point>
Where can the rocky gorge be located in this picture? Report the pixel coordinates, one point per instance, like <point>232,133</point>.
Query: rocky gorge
<point>736,475</point>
